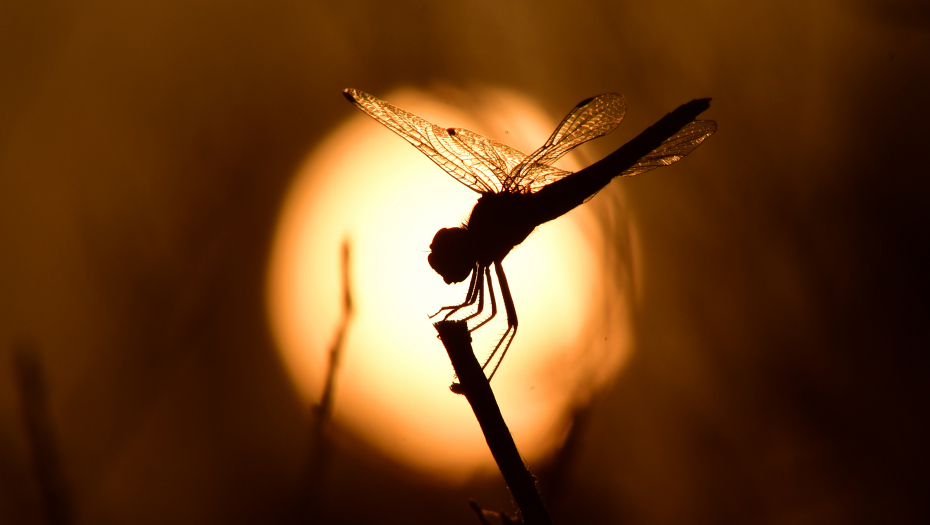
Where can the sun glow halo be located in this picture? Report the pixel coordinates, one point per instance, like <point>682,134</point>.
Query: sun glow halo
<point>366,185</point>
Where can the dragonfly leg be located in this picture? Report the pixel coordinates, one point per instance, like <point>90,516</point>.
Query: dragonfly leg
<point>512,322</point>
<point>476,292</point>
<point>508,336</point>
<point>487,272</point>
<point>469,298</point>
<point>487,277</point>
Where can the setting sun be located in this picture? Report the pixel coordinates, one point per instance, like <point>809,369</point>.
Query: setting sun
<point>365,187</point>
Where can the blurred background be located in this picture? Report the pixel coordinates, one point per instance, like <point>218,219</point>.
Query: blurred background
<point>774,367</point>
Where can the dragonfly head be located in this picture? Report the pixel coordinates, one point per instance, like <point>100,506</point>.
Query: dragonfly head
<point>453,256</point>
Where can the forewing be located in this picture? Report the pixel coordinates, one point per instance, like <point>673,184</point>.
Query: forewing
<point>674,148</point>
<point>437,143</point>
<point>590,119</point>
<point>496,154</point>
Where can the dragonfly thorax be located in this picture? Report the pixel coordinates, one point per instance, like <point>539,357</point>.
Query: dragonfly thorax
<point>452,254</point>
<point>498,222</point>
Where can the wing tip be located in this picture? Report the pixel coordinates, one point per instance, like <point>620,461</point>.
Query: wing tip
<point>613,97</point>
<point>351,95</point>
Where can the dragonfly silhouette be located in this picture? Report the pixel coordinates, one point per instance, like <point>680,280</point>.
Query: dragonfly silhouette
<point>519,192</point>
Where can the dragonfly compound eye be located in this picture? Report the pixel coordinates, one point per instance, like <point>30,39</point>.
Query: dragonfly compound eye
<point>453,255</point>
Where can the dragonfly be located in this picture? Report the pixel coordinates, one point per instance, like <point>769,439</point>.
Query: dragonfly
<point>519,192</point>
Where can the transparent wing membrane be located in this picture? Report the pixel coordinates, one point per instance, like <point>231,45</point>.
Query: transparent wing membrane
<point>539,175</point>
<point>448,152</point>
<point>486,165</point>
<point>674,148</point>
<point>492,152</point>
<point>590,119</point>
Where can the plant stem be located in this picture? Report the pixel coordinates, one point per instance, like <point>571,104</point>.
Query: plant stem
<point>36,414</point>
<point>477,390</point>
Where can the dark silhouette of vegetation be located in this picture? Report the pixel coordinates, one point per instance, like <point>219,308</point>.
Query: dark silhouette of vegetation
<point>37,420</point>
<point>320,445</point>
<point>477,390</point>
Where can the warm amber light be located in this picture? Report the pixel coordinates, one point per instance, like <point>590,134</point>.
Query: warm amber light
<point>367,185</point>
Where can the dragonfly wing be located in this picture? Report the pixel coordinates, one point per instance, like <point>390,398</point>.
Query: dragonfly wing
<point>673,148</point>
<point>437,143</point>
<point>590,119</point>
<point>540,175</point>
<point>497,154</point>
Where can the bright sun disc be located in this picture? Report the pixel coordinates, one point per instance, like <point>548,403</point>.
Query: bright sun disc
<point>368,187</point>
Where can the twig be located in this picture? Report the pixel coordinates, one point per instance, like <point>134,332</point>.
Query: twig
<point>335,352</point>
<point>477,390</point>
<point>38,422</point>
<point>484,513</point>
<point>319,453</point>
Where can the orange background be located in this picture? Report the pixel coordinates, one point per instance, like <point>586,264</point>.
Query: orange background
<point>779,370</point>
